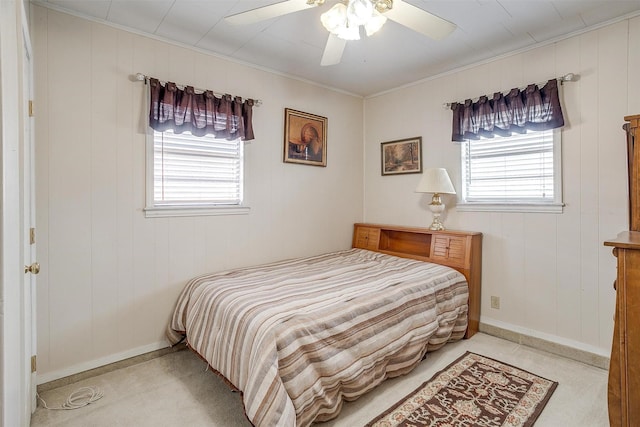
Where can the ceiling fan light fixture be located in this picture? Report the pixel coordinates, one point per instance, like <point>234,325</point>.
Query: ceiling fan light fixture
<point>375,23</point>
<point>359,12</point>
<point>344,21</point>
<point>383,5</point>
<point>335,19</point>
<point>349,32</point>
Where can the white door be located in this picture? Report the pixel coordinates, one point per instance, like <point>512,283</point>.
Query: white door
<point>15,334</point>
<point>28,233</point>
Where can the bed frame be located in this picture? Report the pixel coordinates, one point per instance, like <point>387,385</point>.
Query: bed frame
<point>461,250</point>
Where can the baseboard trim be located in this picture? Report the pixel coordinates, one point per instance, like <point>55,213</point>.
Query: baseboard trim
<point>132,357</point>
<point>104,365</point>
<point>589,356</point>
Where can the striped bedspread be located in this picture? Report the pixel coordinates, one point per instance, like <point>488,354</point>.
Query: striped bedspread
<point>298,337</point>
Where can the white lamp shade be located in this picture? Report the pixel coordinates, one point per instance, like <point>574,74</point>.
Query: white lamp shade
<point>375,23</point>
<point>350,32</point>
<point>335,18</point>
<point>359,11</point>
<point>344,20</point>
<point>435,180</point>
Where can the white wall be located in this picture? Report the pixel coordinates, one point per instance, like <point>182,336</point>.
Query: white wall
<point>109,275</point>
<point>551,271</point>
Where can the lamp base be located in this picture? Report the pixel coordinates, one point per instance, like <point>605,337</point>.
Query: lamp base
<point>436,224</point>
<point>437,207</point>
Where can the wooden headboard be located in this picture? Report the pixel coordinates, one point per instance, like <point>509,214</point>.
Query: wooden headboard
<point>461,250</point>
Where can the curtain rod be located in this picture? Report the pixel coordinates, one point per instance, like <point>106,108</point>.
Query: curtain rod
<point>569,77</point>
<point>143,77</point>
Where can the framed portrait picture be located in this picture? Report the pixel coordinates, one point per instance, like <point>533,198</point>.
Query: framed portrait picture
<point>305,138</point>
<point>402,156</point>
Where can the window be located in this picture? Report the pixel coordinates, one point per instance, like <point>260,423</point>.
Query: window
<point>521,173</point>
<point>189,175</point>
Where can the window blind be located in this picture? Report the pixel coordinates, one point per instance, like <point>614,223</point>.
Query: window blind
<point>515,169</point>
<point>194,171</point>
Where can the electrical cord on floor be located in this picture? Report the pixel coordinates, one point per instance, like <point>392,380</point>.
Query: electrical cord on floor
<point>78,399</point>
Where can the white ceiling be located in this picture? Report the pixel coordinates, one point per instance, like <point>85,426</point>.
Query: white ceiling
<point>293,44</point>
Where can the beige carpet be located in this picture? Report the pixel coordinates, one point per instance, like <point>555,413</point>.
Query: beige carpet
<point>175,390</point>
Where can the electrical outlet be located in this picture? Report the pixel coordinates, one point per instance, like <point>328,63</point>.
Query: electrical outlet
<point>495,302</point>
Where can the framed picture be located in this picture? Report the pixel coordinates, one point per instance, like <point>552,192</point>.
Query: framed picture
<point>402,156</point>
<point>305,138</point>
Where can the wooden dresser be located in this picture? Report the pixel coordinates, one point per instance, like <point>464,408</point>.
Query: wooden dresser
<point>624,369</point>
<point>460,250</point>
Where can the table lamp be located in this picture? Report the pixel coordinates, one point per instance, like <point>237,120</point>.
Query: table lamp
<point>436,181</point>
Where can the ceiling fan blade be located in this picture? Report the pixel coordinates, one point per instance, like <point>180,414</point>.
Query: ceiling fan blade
<point>333,50</point>
<point>268,12</point>
<point>419,20</point>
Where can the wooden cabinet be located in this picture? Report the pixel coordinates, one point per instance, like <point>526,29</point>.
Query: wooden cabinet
<point>632,130</point>
<point>449,249</point>
<point>624,368</point>
<point>457,249</point>
<point>366,238</point>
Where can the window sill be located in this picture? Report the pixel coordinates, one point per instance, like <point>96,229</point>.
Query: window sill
<point>173,211</point>
<point>510,207</point>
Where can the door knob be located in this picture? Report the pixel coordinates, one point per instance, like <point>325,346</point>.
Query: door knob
<point>33,268</point>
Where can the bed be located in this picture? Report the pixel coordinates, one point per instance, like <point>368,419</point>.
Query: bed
<point>299,337</point>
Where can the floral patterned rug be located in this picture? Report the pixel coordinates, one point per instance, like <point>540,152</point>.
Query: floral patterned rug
<point>473,391</point>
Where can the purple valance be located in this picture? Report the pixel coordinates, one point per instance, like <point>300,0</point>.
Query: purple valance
<point>180,110</point>
<point>532,108</point>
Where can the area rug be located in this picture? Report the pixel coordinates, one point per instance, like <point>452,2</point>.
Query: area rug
<point>472,391</point>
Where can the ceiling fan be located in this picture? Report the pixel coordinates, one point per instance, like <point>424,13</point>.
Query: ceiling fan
<point>344,19</point>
